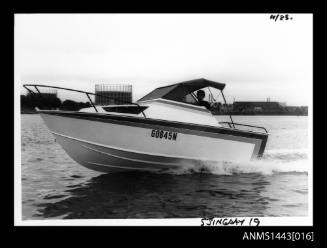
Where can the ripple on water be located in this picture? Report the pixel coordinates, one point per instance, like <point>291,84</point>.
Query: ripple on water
<point>48,197</point>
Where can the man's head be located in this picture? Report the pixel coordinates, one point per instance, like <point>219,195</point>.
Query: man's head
<point>200,94</point>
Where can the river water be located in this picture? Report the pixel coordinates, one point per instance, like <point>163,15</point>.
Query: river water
<point>55,187</point>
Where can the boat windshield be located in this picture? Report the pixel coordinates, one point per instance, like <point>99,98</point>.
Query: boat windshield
<point>191,99</point>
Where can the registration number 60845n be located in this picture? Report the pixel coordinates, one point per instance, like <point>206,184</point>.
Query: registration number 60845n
<point>161,134</point>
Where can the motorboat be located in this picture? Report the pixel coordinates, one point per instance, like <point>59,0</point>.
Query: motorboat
<point>165,129</point>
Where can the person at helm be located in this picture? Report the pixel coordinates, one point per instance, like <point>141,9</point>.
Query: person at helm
<point>200,94</point>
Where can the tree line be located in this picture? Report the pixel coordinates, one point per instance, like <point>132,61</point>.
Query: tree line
<point>47,101</point>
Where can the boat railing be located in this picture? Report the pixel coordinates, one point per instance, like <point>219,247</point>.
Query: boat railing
<point>80,91</point>
<point>233,124</point>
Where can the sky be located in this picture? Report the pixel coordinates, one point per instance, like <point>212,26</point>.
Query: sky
<point>253,55</point>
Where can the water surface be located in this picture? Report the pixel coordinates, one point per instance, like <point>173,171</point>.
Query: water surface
<point>54,186</point>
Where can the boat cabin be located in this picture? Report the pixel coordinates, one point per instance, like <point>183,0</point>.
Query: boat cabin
<point>184,92</point>
<point>176,102</point>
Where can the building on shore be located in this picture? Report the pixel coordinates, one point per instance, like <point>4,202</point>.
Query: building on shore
<point>260,108</point>
<point>113,94</point>
<point>298,110</point>
<point>244,107</point>
<point>220,108</point>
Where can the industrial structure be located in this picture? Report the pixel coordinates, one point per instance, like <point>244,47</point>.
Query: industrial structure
<point>261,108</point>
<point>258,106</point>
<point>113,94</point>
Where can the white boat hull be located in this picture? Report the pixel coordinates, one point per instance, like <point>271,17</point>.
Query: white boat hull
<point>108,144</point>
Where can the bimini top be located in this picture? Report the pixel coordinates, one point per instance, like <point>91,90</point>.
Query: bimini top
<point>178,92</point>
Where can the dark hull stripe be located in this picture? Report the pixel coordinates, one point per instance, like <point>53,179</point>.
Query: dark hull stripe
<point>262,146</point>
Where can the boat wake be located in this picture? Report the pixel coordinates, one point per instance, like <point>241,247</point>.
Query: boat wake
<point>273,162</point>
